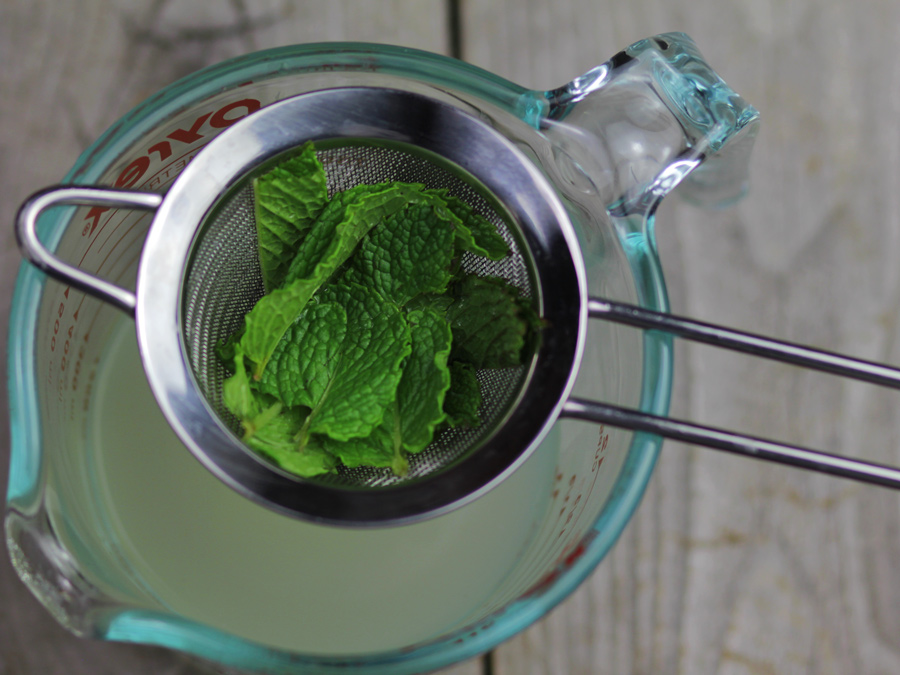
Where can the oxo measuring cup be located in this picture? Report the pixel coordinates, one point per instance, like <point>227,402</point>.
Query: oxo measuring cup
<point>123,535</point>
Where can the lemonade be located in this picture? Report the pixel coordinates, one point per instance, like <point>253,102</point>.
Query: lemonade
<point>210,555</point>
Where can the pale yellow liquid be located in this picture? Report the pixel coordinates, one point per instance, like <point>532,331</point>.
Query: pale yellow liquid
<point>210,555</point>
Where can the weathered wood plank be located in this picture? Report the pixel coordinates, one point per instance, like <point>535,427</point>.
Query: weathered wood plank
<point>68,71</point>
<point>732,566</point>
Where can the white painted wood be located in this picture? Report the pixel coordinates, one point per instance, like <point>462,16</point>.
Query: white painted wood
<point>732,566</point>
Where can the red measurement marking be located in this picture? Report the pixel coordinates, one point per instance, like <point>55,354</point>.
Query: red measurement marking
<point>564,563</point>
<point>575,555</point>
<point>114,233</point>
<point>577,495</point>
<point>69,368</point>
<point>78,309</point>
<point>602,444</point>
<point>599,456</point>
<point>94,216</point>
<point>102,227</point>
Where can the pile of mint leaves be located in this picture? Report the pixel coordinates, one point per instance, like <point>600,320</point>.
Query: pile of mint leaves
<point>368,338</point>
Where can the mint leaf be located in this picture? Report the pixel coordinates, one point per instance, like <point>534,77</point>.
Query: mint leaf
<point>381,448</point>
<point>463,399</point>
<point>409,421</point>
<point>227,348</point>
<point>426,379</point>
<point>265,324</point>
<point>303,362</point>
<point>277,440</point>
<point>437,301</point>
<point>348,384</point>
<point>344,222</point>
<point>490,322</point>
<point>474,232</point>
<point>287,201</point>
<point>252,408</point>
<point>408,254</point>
<point>328,244</point>
<point>236,392</point>
<point>271,428</point>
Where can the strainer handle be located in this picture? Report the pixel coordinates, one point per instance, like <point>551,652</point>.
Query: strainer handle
<point>721,439</point>
<point>44,259</point>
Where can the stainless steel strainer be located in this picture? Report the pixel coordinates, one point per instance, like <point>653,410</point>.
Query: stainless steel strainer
<point>199,275</point>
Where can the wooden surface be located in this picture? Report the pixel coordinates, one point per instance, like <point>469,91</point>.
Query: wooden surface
<point>729,566</point>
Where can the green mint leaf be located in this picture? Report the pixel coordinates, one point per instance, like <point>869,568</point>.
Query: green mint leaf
<point>288,199</point>
<point>344,222</point>
<point>271,428</point>
<point>425,380</point>
<point>382,448</point>
<point>474,232</point>
<point>269,410</point>
<point>348,385</point>
<point>463,399</point>
<point>439,302</point>
<point>378,449</point>
<point>327,245</point>
<point>410,421</point>
<point>489,321</point>
<point>408,254</point>
<point>237,394</point>
<point>277,440</point>
<point>265,324</point>
<point>303,363</point>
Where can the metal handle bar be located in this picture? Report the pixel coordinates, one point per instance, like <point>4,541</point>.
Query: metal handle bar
<point>38,254</point>
<point>721,439</point>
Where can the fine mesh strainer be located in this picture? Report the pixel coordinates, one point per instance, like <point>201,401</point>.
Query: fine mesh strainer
<point>198,276</point>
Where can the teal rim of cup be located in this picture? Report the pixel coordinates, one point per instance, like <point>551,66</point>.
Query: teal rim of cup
<point>155,628</point>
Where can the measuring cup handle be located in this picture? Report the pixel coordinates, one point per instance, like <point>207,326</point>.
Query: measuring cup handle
<point>42,258</point>
<point>722,439</point>
<point>652,117</point>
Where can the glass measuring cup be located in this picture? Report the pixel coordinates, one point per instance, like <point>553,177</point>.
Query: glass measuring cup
<point>65,520</point>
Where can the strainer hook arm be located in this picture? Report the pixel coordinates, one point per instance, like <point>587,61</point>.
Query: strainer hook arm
<point>70,195</point>
<point>747,343</point>
<point>720,439</point>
